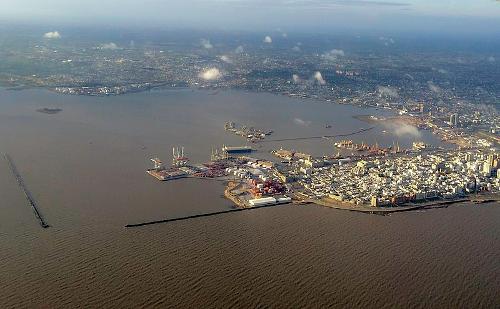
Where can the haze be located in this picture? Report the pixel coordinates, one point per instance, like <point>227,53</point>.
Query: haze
<point>290,15</point>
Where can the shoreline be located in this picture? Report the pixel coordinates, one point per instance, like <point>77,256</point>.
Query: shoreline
<point>439,203</point>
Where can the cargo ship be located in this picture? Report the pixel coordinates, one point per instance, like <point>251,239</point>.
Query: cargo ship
<point>236,149</point>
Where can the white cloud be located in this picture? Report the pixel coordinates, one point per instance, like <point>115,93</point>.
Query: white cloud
<point>268,39</point>
<point>491,59</point>
<point>319,78</point>
<point>226,59</point>
<point>434,88</point>
<point>388,92</point>
<point>296,48</point>
<point>301,122</point>
<point>52,35</point>
<point>387,41</point>
<point>409,76</point>
<point>401,129</point>
<point>110,46</point>
<point>206,44</point>
<point>296,79</point>
<point>239,49</point>
<point>210,74</point>
<point>333,54</point>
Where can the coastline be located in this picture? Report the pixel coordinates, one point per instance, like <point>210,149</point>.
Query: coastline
<point>487,198</point>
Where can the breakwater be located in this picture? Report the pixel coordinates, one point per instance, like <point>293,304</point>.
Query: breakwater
<point>26,192</point>
<point>210,214</point>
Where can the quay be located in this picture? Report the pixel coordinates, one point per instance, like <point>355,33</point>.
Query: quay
<point>210,214</point>
<point>26,192</point>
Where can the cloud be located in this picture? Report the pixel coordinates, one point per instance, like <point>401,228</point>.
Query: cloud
<point>319,78</point>
<point>296,48</point>
<point>268,39</point>
<point>388,92</point>
<point>301,122</point>
<point>409,76</point>
<point>296,79</point>
<point>239,49</point>
<point>110,46</point>
<point>491,59</point>
<point>387,41</point>
<point>52,35</point>
<point>226,59</point>
<point>206,44</point>
<point>210,74</point>
<point>334,54</point>
<point>434,88</point>
<point>310,4</point>
<point>402,129</point>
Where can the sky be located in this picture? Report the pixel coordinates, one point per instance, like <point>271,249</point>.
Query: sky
<point>457,15</point>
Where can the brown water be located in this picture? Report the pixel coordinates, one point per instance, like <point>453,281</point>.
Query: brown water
<point>85,167</point>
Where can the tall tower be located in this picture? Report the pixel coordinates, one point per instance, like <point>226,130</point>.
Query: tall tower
<point>454,120</point>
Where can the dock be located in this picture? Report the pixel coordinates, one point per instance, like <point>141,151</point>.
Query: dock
<point>26,192</point>
<point>210,214</point>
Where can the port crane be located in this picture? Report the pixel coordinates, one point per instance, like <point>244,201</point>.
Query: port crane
<point>178,158</point>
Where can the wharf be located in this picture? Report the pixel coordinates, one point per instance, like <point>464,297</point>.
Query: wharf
<point>229,194</point>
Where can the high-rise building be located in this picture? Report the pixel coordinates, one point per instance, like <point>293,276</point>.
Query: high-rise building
<point>454,120</point>
<point>421,108</point>
<point>491,160</point>
<point>487,169</point>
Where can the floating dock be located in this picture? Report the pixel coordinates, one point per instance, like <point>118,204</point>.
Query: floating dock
<point>27,193</point>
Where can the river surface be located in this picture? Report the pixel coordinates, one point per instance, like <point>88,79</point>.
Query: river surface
<point>85,166</point>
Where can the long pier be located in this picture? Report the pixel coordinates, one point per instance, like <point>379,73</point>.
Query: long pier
<point>210,214</point>
<point>27,193</point>
<point>315,137</point>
